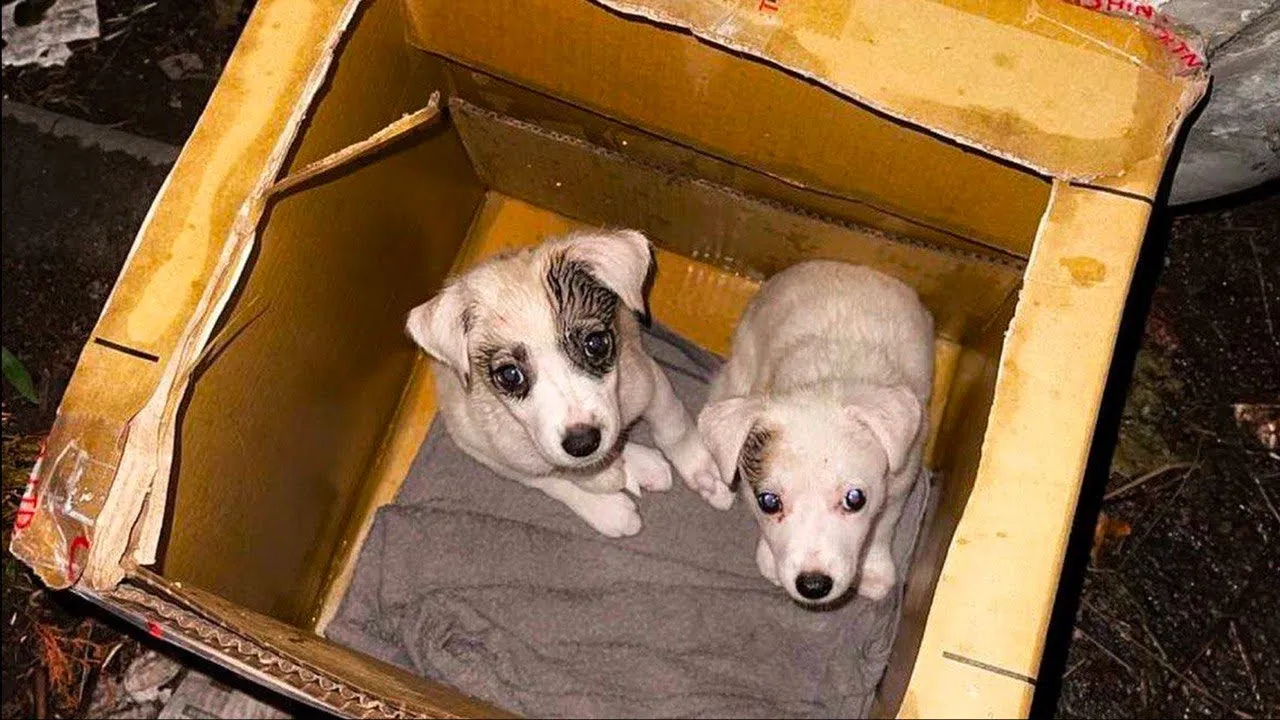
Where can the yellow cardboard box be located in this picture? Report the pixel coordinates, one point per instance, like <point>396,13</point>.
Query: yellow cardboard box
<point>248,397</point>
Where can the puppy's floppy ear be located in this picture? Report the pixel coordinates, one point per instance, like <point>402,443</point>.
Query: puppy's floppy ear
<point>439,326</point>
<point>619,259</point>
<point>893,415</point>
<point>724,426</point>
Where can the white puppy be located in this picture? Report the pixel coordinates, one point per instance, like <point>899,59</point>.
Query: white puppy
<point>539,373</point>
<point>819,415</point>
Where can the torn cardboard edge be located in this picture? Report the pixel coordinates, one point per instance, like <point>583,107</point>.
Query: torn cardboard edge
<point>198,342</point>
<point>716,28</point>
<point>159,416</point>
<point>368,146</point>
<point>132,517</point>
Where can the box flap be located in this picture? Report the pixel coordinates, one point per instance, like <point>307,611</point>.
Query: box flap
<point>1047,84</point>
<point>950,113</point>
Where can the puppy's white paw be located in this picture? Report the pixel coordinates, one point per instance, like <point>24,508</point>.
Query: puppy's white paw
<point>699,471</point>
<point>610,480</point>
<point>611,514</point>
<point>878,576</point>
<point>765,561</point>
<point>646,468</point>
<point>720,496</point>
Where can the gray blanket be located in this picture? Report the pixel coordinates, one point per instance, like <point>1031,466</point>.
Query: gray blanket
<point>500,591</point>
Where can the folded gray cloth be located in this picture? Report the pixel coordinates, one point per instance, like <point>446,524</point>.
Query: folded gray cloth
<point>505,594</point>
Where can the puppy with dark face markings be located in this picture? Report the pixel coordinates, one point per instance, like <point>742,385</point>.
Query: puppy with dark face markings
<point>539,372</point>
<point>819,416</point>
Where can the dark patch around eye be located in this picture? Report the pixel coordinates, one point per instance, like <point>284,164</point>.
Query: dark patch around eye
<point>582,306</point>
<point>753,457</point>
<point>489,356</point>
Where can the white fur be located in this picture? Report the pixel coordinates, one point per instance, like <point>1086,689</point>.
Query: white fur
<point>836,361</point>
<point>508,298</point>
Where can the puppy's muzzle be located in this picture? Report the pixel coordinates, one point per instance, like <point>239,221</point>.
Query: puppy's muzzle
<point>814,586</point>
<point>581,440</point>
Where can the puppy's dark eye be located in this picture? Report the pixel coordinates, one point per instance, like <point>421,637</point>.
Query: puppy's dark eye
<point>770,504</point>
<point>853,500</point>
<point>509,377</point>
<point>598,345</point>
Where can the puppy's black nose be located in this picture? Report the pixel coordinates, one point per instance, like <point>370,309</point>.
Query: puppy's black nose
<point>813,586</point>
<point>581,440</point>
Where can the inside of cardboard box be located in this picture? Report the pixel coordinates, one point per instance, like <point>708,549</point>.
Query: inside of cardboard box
<point>305,422</point>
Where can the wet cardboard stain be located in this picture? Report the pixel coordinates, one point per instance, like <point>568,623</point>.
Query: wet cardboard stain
<point>1085,271</point>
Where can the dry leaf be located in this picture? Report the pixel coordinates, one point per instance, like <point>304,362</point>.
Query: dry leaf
<point>1108,531</point>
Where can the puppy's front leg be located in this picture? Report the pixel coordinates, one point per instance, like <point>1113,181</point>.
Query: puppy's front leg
<point>878,572</point>
<point>675,434</point>
<point>645,468</point>
<point>609,480</point>
<point>767,563</point>
<point>637,468</point>
<point>612,514</point>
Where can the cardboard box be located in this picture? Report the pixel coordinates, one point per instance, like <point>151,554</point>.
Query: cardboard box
<point>248,397</point>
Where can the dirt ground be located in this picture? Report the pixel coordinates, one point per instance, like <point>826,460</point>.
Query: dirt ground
<point>1178,615</point>
<point>118,80</point>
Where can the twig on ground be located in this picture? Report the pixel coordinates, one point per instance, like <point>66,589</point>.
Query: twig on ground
<point>1160,658</point>
<point>1203,431</point>
<point>1108,617</point>
<point>141,9</point>
<point>1189,683</point>
<point>1212,634</point>
<point>1133,549</point>
<point>1107,652</point>
<point>1073,668</point>
<point>1266,499</point>
<point>1142,618</point>
<point>1266,304</point>
<point>1147,477</point>
<point>1244,658</point>
<point>110,655</point>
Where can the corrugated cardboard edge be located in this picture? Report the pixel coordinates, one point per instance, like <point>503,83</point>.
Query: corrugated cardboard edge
<point>708,28</point>
<point>134,510</point>
<point>164,614</point>
<point>169,621</point>
<point>980,253</point>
